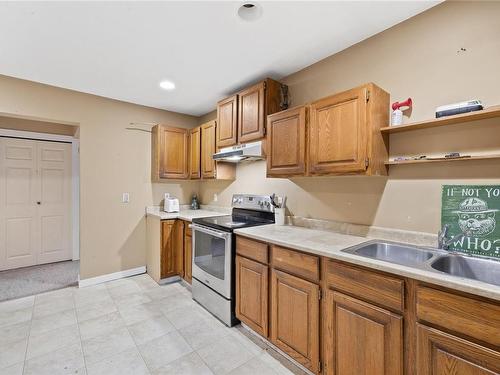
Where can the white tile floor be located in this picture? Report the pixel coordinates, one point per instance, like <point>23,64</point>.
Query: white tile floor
<point>128,326</point>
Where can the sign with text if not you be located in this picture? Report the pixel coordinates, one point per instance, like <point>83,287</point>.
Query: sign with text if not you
<point>474,211</point>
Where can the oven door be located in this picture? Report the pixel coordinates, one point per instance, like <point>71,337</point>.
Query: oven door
<point>212,258</point>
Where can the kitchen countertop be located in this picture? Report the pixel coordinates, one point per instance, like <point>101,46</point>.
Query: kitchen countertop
<point>183,214</point>
<point>329,244</point>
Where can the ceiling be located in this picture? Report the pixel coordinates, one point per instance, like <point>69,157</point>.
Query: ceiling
<point>122,50</point>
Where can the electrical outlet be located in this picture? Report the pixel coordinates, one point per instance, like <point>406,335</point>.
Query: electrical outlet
<point>215,197</point>
<point>125,198</point>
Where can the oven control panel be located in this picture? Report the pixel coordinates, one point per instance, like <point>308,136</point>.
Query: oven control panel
<point>253,202</point>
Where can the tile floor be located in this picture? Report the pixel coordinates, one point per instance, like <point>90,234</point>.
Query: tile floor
<point>127,326</point>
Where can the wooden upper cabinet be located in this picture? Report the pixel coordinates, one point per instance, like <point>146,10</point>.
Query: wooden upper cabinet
<point>295,318</point>
<point>286,142</point>
<point>242,117</point>
<point>208,133</point>
<point>170,153</point>
<point>194,153</point>
<point>254,105</point>
<point>227,122</point>
<point>440,353</point>
<point>252,291</point>
<point>360,338</point>
<point>251,108</point>
<point>344,132</point>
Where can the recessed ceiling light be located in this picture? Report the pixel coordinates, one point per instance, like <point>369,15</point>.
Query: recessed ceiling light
<point>167,85</point>
<point>250,11</point>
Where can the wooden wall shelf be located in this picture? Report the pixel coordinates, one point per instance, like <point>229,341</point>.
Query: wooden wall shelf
<point>423,161</point>
<point>490,112</point>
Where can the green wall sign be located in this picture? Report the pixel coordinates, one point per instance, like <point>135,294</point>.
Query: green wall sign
<point>473,210</point>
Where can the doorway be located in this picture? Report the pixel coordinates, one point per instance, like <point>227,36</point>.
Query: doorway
<point>38,200</point>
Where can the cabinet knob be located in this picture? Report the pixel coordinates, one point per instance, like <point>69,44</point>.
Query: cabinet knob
<point>38,202</point>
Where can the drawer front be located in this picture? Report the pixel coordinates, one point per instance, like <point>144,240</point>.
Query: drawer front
<point>294,262</point>
<point>370,286</point>
<point>252,249</point>
<point>474,318</point>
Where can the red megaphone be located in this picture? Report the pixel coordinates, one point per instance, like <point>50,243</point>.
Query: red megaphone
<point>403,106</point>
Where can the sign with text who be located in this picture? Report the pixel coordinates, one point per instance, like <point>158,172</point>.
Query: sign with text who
<point>473,211</point>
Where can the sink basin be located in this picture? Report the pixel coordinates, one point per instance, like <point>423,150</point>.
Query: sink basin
<point>484,270</point>
<point>393,253</point>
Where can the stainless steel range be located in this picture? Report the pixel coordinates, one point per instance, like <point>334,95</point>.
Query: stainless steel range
<point>214,253</point>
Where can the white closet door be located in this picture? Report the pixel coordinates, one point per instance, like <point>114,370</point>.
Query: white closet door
<point>35,202</point>
<point>54,201</point>
<point>18,212</point>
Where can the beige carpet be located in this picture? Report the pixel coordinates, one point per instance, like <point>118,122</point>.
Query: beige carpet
<point>27,281</point>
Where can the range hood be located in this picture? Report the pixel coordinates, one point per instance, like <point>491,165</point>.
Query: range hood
<point>239,153</point>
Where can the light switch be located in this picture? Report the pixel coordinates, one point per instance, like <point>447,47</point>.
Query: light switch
<point>215,197</point>
<point>125,197</point>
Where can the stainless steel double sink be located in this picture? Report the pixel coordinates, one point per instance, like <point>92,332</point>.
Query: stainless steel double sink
<point>481,269</point>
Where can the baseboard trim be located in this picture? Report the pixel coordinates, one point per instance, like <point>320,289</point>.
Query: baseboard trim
<point>111,276</point>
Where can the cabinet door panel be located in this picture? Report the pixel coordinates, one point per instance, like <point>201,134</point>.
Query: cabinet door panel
<point>188,255</point>
<point>338,133</point>
<point>286,136</point>
<point>194,153</point>
<point>295,318</point>
<point>440,353</point>
<point>208,132</point>
<point>251,113</point>
<point>361,338</point>
<point>227,120</point>
<point>173,153</point>
<point>172,248</point>
<point>252,292</point>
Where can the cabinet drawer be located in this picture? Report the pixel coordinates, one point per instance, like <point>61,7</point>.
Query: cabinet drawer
<point>300,264</point>
<point>380,289</point>
<point>468,316</point>
<point>252,249</point>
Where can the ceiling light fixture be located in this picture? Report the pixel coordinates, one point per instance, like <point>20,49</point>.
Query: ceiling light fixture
<point>167,85</point>
<point>250,11</point>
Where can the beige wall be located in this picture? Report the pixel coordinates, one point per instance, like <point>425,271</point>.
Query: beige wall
<point>113,160</point>
<point>417,58</point>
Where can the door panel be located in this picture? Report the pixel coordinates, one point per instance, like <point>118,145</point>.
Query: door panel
<point>295,318</point>
<point>227,120</point>
<point>19,189</point>
<point>338,133</point>
<point>54,210</point>
<point>439,353</point>
<point>194,153</point>
<point>287,142</point>
<point>35,202</point>
<point>251,121</point>
<point>361,338</point>
<point>174,153</point>
<point>252,293</point>
<point>208,131</point>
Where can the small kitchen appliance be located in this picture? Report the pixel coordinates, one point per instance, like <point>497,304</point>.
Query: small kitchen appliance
<point>170,204</point>
<point>457,108</point>
<point>397,111</point>
<point>214,253</point>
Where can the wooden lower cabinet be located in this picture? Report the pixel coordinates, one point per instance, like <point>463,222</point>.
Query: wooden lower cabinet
<point>295,318</point>
<point>188,254</point>
<point>440,353</point>
<point>252,292</point>
<point>361,338</point>
<point>172,248</point>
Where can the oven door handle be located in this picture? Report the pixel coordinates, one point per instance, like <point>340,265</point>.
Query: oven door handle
<point>215,233</point>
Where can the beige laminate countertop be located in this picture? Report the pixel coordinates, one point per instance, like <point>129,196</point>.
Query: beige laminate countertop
<point>329,244</point>
<point>183,214</point>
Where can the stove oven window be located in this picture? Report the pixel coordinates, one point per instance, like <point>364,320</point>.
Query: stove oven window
<point>210,254</point>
